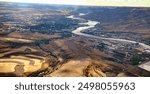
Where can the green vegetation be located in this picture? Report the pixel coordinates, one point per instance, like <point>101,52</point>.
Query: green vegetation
<point>45,41</point>
<point>135,60</point>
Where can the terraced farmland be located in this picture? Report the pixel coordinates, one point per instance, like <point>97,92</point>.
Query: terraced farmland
<point>22,63</point>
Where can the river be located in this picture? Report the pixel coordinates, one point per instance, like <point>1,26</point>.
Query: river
<point>91,24</point>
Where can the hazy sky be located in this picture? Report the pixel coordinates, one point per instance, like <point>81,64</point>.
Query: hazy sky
<point>90,2</point>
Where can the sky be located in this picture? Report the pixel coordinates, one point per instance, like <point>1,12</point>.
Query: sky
<point>145,3</point>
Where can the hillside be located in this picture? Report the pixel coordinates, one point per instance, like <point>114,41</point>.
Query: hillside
<point>122,19</point>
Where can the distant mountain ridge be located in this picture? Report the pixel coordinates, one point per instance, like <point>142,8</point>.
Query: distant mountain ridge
<point>126,17</point>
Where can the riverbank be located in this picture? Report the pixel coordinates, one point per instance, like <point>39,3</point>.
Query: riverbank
<point>91,24</point>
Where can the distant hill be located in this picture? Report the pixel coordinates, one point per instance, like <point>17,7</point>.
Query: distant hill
<point>122,19</point>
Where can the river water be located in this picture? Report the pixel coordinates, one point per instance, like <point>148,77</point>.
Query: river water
<point>91,24</point>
